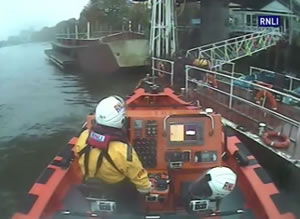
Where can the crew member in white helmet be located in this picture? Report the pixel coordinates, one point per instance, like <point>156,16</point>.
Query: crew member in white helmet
<point>215,184</point>
<point>104,153</point>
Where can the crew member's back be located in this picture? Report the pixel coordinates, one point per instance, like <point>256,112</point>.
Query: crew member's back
<point>105,154</point>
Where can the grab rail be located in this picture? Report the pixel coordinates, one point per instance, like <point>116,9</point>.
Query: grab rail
<point>290,78</point>
<point>287,123</point>
<point>188,67</point>
<point>168,64</point>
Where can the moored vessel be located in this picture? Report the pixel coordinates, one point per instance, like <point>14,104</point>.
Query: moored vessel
<point>100,55</point>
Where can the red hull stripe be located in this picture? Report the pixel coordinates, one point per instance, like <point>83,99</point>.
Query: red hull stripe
<point>27,203</point>
<point>43,192</point>
<point>260,189</point>
<point>43,179</point>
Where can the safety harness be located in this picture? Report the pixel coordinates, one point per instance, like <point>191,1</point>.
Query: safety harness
<point>101,141</point>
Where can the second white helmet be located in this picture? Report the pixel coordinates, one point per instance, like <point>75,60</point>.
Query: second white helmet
<point>111,112</point>
<point>216,183</point>
<point>222,183</point>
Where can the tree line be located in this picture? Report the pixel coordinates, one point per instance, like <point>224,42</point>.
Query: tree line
<point>103,15</point>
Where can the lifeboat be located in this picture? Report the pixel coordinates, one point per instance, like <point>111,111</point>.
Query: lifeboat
<point>183,147</point>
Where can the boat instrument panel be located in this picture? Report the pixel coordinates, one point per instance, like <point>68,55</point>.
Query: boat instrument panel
<point>176,141</point>
<point>175,147</point>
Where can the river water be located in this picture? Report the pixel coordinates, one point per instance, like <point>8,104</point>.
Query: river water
<point>41,107</point>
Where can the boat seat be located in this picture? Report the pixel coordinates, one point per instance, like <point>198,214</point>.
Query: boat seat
<point>184,194</point>
<point>74,201</point>
<point>234,200</point>
<point>94,188</point>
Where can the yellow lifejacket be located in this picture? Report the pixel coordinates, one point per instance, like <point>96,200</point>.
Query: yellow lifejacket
<point>132,169</point>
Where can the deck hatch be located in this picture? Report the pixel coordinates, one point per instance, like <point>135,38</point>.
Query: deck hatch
<point>229,132</point>
<point>66,152</point>
<point>243,149</point>
<point>252,162</point>
<point>27,203</point>
<point>43,179</point>
<point>281,202</point>
<point>263,175</point>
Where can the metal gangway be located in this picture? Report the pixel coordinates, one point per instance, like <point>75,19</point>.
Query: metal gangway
<point>235,48</point>
<point>238,104</point>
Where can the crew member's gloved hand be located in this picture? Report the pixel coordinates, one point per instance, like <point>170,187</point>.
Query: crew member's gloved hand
<point>152,184</point>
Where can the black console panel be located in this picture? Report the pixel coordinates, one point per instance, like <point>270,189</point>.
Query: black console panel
<point>146,150</point>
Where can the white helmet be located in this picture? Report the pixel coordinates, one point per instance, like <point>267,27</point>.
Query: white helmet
<point>216,183</point>
<point>111,112</point>
<point>222,182</point>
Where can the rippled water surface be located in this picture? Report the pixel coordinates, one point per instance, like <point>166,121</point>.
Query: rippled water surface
<point>41,107</point>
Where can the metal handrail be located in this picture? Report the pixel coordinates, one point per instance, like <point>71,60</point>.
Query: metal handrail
<point>250,83</point>
<point>291,78</point>
<point>281,116</point>
<point>216,73</point>
<point>253,28</point>
<point>95,34</point>
<point>154,69</point>
<point>242,74</point>
<point>293,123</point>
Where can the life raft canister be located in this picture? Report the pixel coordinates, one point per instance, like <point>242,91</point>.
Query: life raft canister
<point>261,94</point>
<point>283,141</point>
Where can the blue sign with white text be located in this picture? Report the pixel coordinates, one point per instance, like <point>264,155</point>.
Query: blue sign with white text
<point>269,21</point>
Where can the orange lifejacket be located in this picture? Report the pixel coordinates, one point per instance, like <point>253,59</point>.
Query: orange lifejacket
<point>269,96</point>
<point>161,68</point>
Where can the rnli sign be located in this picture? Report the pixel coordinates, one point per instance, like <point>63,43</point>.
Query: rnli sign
<point>269,21</point>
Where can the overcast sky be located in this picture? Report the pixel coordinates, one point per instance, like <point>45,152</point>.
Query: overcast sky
<point>22,14</point>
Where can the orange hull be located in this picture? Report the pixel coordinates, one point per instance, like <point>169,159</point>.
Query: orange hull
<point>152,116</point>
